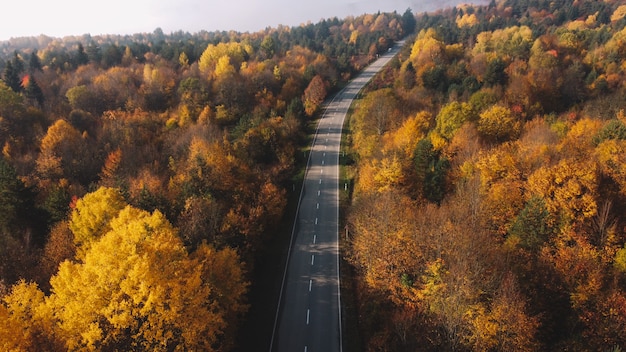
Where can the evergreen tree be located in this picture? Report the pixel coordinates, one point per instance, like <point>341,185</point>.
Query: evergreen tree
<point>9,194</point>
<point>34,64</point>
<point>111,56</point>
<point>12,77</point>
<point>408,21</point>
<point>295,109</point>
<point>81,57</point>
<point>268,46</point>
<point>94,52</point>
<point>495,72</point>
<point>57,203</point>
<point>18,64</point>
<point>33,91</point>
<point>15,197</point>
<point>531,226</point>
<point>431,169</point>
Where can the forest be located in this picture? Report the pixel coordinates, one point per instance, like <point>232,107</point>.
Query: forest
<point>489,183</point>
<point>141,176</point>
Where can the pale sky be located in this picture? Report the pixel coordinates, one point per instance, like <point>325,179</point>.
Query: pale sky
<point>58,18</point>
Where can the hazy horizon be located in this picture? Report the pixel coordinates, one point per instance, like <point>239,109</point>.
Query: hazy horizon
<point>74,18</point>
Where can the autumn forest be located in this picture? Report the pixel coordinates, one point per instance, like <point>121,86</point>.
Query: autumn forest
<point>142,178</point>
<point>488,208</point>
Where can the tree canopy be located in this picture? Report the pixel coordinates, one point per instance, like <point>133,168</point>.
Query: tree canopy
<point>135,285</point>
<point>501,227</point>
<point>142,176</point>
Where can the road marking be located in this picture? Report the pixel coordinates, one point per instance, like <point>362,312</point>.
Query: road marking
<point>314,238</point>
<point>315,221</point>
<point>312,259</point>
<point>310,284</point>
<point>318,205</point>
<point>318,193</point>
<point>308,313</point>
<point>320,181</point>
<point>322,162</point>
<point>342,100</point>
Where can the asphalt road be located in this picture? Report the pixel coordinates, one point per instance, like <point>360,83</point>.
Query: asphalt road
<point>309,310</point>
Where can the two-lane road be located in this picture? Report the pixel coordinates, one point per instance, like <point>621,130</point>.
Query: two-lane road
<point>309,308</point>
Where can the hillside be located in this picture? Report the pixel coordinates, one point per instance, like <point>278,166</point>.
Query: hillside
<point>487,212</point>
<point>141,176</point>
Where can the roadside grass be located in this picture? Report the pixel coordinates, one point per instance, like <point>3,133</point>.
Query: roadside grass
<point>352,341</point>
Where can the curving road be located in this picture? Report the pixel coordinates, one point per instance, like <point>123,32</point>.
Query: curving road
<point>309,309</point>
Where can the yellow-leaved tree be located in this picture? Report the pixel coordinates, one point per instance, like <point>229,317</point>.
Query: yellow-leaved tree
<point>237,53</point>
<point>62,152</point>
<point>385,247</point>
<point>92,215</point>
<point>138,288</point>
<point>405,137</point>
<point>498,124</point>
<point>612,159</point>
<point>570,189</point>
<point>26,322</point>
<point>135,287</point>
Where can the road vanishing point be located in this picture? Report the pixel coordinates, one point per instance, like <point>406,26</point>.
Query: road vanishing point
<point>308,316</point>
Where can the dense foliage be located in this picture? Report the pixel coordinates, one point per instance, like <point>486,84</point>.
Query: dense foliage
<point>140,175</point>
<point>488,209</point>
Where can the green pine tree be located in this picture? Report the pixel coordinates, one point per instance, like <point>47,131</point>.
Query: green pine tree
<point>12,77</point>
<point>34,64</point>
<point>18,64</point>
<point>81,56</point>
<point>33,91</point>
<point>12,192</point>
<point>532,224</point>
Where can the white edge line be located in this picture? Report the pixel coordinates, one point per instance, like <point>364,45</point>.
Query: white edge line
<point>342,121</point>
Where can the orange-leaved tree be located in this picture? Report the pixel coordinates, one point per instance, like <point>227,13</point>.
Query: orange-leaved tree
<point>314,95</point>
